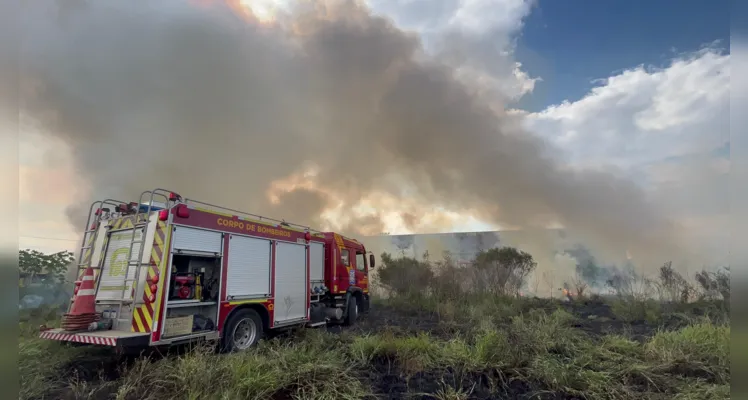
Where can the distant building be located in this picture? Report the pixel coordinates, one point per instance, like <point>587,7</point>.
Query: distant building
<point>462,246</point>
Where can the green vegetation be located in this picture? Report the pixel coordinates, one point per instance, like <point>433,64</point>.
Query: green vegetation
<point>48,269</point>
<point>433,340</point>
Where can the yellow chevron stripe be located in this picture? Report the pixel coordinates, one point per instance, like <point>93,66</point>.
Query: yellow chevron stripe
<point>138,322</point>
<point>117,223</point>
<point>161,272</point>
<point>155,257</point>
<point>157,238</point>
<point>145,323</point>
<point>128,224</point>
<point>148,318</point>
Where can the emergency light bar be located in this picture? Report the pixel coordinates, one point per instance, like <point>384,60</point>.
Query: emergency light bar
<point>155,206</point>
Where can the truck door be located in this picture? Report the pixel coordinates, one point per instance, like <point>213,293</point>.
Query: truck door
<point>362,271</point>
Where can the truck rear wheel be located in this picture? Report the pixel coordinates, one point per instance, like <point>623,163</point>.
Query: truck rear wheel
<point>352,314</point>
<point>242,331</point>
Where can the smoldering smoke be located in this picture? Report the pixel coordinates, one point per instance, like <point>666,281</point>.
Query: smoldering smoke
<point>202,101</point>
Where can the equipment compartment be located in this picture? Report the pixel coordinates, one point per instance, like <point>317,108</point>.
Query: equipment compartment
<point>194,279</point>
<point>194,288</point>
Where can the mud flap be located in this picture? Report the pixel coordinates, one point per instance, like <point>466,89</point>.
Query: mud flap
<point>365,304</point>
<point>345,309</point>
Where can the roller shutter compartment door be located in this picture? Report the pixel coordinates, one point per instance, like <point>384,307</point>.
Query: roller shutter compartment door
<point>291,282</point>
<point>191,239</point>
<point>248,267</point>
<point>316,262</point>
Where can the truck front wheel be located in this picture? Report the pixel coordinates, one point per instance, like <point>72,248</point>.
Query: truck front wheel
<point>242,331</point>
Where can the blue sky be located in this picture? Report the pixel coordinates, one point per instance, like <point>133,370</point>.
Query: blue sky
<point>571,43</point>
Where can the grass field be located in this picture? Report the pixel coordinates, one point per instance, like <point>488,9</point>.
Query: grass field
<point>466,347</point>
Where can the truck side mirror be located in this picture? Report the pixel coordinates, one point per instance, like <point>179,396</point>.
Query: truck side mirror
<point>371,261</point>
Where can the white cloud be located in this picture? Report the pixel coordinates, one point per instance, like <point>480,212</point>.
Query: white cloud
<point>644,114</point>
<point>661,127</point>
<point>482,16</point>
<point>471,16</point>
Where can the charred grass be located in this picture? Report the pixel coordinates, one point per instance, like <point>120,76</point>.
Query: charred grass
<point>420,347</point>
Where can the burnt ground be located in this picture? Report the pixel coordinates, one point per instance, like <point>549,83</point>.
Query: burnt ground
<point>389,381</point>
<point>385,375</point>
<point>594,317</point>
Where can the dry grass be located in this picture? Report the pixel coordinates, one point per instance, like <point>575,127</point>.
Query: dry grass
<point>499,348</point>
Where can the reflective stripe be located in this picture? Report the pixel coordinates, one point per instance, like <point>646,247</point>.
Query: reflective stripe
<point>88,278</point>
<point>86,292</point>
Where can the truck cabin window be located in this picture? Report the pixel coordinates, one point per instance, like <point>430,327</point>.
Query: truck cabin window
<point>344,257</point>
<point>360,261</point>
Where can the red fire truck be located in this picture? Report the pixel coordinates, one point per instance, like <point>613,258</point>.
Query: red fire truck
<point>168,270</point>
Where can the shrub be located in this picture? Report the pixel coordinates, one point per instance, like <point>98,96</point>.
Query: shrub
<point>673,287</point>
<point>502,270</point>
<point>404,275</point>
<point>715,285</point>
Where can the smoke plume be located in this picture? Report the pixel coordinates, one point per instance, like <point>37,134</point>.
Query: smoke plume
<point>328,116</point>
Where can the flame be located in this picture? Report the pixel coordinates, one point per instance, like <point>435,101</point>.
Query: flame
<point>392,211</point>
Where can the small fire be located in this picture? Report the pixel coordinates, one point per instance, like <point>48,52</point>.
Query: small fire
<point>566,292</point>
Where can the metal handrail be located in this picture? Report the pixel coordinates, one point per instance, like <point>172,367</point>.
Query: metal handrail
<point>259,217</point>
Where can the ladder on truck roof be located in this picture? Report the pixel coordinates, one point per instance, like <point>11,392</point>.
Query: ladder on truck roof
<point>98,211</point>
<point>137,263</point>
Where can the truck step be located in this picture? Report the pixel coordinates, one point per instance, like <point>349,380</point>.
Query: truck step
<point>316,324</point>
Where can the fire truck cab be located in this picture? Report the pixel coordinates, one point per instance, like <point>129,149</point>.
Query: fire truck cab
<point>168,270</point>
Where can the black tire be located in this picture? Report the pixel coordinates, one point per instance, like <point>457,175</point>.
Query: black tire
<point>250,322</point>
<point>352,314</point>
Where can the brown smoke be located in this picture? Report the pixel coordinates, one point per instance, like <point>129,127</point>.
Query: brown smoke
<point>202,101</point>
